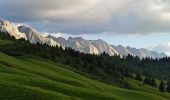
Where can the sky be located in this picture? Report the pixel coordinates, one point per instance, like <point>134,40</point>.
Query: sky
<point>136,23</point>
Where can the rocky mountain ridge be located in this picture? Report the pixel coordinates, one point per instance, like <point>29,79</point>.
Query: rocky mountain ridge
<point>78,43</point>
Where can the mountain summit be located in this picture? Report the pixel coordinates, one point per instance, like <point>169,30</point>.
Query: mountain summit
<point>6,26</point>
<point>87,46</point>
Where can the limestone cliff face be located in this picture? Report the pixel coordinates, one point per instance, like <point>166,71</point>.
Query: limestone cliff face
<point>6,26</point>
<point>78,43</point>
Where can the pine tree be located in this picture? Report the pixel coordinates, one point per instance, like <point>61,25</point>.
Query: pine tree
<point>162,86</point>
<point>126,72</point>
<point>139,77</point>
<point>153,82</point>
<point>147,81</point>
<point>168,88</point>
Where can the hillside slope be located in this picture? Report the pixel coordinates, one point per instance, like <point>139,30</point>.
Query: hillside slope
<point>35,79</point>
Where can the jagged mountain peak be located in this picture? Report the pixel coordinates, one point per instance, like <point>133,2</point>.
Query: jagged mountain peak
<point>26,28</point>
<point>50,36</point>
<point>11,28</point>
<point>99,41</point>
<point>76,38</point>
<point>56,38</point>
<point>26,32</point>
<point>32,35</point>
<point>78,43</point>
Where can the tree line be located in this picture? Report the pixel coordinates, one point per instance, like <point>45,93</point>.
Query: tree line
<point>105,68</point>
<point>151,81</point>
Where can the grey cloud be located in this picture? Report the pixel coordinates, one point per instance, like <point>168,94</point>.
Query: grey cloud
<point>90,16</point>
<point>163,47</point>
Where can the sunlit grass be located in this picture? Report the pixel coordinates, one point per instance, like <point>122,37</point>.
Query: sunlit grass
<point>37,79</point>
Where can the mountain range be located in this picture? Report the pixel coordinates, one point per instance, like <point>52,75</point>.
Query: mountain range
<point>78,43</point>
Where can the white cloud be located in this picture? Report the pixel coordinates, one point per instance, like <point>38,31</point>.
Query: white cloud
<point>164,47</point>
<point>90,16</point>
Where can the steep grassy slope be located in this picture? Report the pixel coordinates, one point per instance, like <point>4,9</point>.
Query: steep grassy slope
<point>35,79</point>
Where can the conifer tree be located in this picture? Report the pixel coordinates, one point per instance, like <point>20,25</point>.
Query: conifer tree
<point>147,81</point>
<point>126,72</point>
<point>162,86</point>
<point>168,88</point>
<point>139,77</point>
<point>153,82</point>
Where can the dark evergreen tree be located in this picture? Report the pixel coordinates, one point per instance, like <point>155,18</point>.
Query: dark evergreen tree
<point>139,77</point>
<point>147,80</point>
<point>126,72</point>
<point>168,87</point>
<point>162,86</point>
<point>153,82</point>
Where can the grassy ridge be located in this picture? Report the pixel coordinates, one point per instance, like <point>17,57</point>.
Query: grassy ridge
<point>31,79</point>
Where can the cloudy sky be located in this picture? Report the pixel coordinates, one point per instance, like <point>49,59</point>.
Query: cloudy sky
<point>137,23</point>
